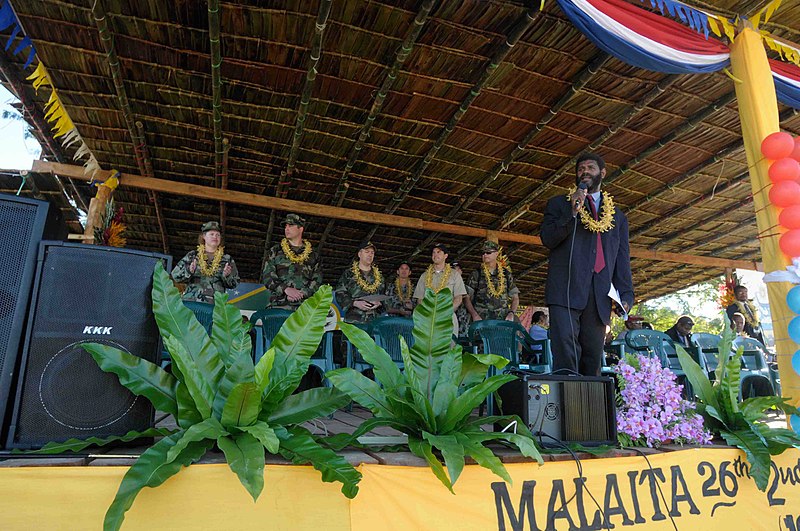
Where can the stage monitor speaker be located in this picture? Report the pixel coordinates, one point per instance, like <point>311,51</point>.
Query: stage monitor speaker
<point>22,223</point>
<point>569,409</point>
<point>82,294</point>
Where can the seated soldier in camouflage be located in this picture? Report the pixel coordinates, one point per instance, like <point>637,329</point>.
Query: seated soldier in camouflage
<point>362,279</point>
<point>292,272</point>
<point>400,291</point>
<point>495,294</point>
<point>206,269</point>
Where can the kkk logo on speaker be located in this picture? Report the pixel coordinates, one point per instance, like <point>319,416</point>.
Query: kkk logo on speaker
<point>97,330</point>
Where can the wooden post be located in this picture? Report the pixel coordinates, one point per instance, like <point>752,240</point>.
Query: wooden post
<point>97,209</point>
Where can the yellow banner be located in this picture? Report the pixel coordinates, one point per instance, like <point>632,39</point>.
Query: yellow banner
<point>696,488</point>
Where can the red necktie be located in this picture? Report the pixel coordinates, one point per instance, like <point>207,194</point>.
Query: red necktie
<point>599,258</point>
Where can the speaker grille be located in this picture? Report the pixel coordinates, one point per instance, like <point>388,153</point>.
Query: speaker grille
<point>84,294</point>
<point>585,414</point>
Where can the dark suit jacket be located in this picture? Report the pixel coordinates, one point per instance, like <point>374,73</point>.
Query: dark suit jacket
<point>673,334</point>
<point>732,309</point>
<point>556,233</point>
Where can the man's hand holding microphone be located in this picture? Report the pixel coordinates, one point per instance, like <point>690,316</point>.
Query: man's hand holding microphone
<point>578,198</point>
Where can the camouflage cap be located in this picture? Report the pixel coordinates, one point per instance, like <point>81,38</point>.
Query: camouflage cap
<point>210,225</point>
<point>294,219</point>
<point>366,244</point>
<point>489,246</point>
<point>442,247</point>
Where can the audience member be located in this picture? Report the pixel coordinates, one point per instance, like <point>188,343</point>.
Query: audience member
<point>681,331</point>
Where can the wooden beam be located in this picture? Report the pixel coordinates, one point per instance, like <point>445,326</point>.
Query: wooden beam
<point>302,207</point>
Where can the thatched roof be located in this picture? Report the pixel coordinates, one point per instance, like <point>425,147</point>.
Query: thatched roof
<point>676,164</point>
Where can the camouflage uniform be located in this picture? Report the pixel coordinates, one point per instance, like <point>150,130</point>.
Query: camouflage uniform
<point>463,316</point>
<point>280,273</point>
<point>394,302</point>
<point>348,290</point>
<point>489,307</point>
<point>200,287</point>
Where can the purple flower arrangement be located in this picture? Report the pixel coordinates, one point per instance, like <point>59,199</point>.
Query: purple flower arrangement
<point>651,410</point>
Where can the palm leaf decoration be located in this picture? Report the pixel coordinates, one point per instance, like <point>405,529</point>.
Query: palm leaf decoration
<point>218,396</point>
<point>432,399</point>
<point>741,424</point>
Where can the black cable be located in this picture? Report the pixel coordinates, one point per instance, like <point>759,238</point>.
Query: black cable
<point>569,283</point>
<point>663,498</point>
<point>580,475</point>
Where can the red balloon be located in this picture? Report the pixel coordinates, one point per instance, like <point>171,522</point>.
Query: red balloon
<point>790,217</point>
<point>796,153</point>
<point>790,243</point>
<point>785,194</point>
<point>785,169</point>
<point>777,145</point>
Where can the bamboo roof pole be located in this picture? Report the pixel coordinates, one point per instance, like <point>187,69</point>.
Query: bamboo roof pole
<point>135,128</point>
<point>315,53</point>
<point>302,207</point>
<point>23,94</point>
<point>216,88</point>
<point>578,81</point>
<point>501,51</point>
<point>400,57</point>
<point>223,211</point>
<point>154,199</point>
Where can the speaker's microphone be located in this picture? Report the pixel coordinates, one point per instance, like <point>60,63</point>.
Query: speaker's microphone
<point>583,186</point>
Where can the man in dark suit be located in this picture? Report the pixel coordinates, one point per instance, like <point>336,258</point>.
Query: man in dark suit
<point>681,331</point>
<point>744,306</point>
<point>588,241</point>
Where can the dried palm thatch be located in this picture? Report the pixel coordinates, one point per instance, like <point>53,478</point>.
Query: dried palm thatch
<point>464,129</point>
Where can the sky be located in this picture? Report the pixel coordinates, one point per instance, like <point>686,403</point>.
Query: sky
<point>16,151</point>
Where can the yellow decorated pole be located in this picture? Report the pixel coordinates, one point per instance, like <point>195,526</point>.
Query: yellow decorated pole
<point>758,113</point>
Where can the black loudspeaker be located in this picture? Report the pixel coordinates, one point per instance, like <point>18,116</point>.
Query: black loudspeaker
<point>82,294</point>
<point>570,409</point>
<point>22,223</point>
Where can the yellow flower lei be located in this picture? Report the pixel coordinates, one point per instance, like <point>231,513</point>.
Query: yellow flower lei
<point>296,258</point>
<point>362,283</point>
<point>442,283</point>
<point>205,269</point>
<point>500,291</point>
<point>404,296</point>
<point>752,321</point>
<point>606,218</point>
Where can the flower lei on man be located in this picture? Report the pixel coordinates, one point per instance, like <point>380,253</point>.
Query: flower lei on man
<point>403,294</point>
<point>296,258</point>
<point>361,281</point>
<point>202,263</point>
<point>498,291</point>
<point>442,282</point>
<point>651,410</point>
<point>752,321</point>
<point>605,221</point>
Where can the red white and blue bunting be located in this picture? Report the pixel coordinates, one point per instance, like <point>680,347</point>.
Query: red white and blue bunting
<point>787,82</point>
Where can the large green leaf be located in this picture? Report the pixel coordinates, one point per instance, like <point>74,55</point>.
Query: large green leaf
<point>729,385</point>
<point>240,372</point>
<point>140,376</point>
<point>265,435</point>
<point>150,471</point>
<point>483,456</point>
<point>341,440</point>
<point>295,343</point>
<point>76,445</point>
<point>423,449</point>
<point>475,367</point>
<point>245,456</point>
<point>229,331</point>
<point>243,405</point>
<point>200,389</point>
<point>178,322</point>
<point>449,379</point>
<point>463,405</point>
<point>724,348</point>
<point>452,452</point>
<point>524,442</point>
<point>416,389</point>
<point>756,452</point>
<point>309,404</point>
<point>697,377</point>
<point>188,414</point>
<point>263,368</point>
<point>433,332</point>
<point>298,445</point>
<point>361,389</point>
<point>753,408</point>
<point>209,429</point>
<point>386,371</point>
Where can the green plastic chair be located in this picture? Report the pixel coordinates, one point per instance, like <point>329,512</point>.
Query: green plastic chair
<point>755,377</point>
<point>387,331</point>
